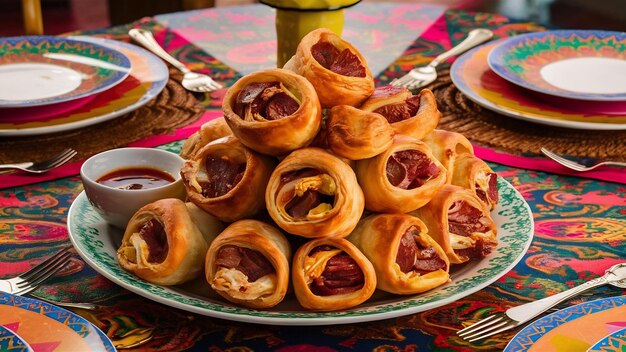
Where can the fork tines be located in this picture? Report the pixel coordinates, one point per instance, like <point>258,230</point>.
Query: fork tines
<point>486,327</point>
<point>38,274</point>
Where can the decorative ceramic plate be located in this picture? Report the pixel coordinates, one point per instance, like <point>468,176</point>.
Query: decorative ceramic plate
<point>473,77</point>
<point>11,342</point>
<point>147,78</point>
<point>575,64</point>
<point>46,327</point>
<point>575,328</point>
<point>615,341</point>
<point>97,244</point>
<point>40,70</point>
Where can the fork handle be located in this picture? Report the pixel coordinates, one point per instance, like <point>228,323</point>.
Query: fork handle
<point>146,39</point>
<point>4,168</point>
<point>474,37</point>
<point>525,312</point>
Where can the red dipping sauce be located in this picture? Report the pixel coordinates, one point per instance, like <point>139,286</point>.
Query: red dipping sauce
<point>133,178</point>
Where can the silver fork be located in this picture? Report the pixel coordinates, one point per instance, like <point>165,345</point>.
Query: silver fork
<point>41,166</point>
<point>33,278</point>
<point>575,165</point>
<point>193,81</point>
<point>30,280</point>
<point>424,75</point>
<point>513,317</point>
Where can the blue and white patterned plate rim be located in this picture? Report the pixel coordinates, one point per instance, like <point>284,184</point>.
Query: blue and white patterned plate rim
<point>75,322</point>
<point>527,335</point>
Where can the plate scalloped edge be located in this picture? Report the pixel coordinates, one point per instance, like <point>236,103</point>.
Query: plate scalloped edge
<point>515,232</point>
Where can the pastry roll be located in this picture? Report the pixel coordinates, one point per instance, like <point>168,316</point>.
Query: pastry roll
<point>408,114</point>
<point>208,132</point>
<point>162,245</point>
<point>273,111</point>
<point>248,264</point>
<point>460,223</point>
<point>331,274</point>
<point>355,134</point>
<point>406,259</point>
<point>474,174</point>
<point>313,193</point>
<point>401,179</point>
<point>226,179</point>
<point>336,69</point>
<point>446,147</point>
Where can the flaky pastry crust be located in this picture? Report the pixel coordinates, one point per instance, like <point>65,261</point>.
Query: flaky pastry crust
<point>418,125</point>
<point>435,215</point>
<point>332,88</point>
<point>381,195</point>
<point>356,134</point>
<point>446,147</point>
<point>378,237</point>
<point>169,257</point>
<point>280,136</point>
<point>243,199</point>
<point>302,270</point>
<point>264,292</point>
<point>329,177</point>
<point>208,132</point>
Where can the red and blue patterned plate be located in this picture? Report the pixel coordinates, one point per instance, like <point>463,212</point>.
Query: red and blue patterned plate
<point>573,64</point>
<point>41,70</point>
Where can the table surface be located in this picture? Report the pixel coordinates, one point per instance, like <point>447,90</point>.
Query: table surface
<point>579,223</point>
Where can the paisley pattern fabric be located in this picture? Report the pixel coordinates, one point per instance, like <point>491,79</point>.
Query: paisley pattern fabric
<point>579,232</point>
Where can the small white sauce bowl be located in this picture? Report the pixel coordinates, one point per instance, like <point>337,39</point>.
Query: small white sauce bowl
<point>117,206</point>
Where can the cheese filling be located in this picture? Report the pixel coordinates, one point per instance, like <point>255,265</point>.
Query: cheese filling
<point>236,285</point>
<point>314,265</point>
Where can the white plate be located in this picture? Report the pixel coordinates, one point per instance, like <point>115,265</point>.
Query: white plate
<point>97,244</point>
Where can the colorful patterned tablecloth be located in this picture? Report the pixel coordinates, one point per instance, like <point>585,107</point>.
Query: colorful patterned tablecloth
<point>579,223</point>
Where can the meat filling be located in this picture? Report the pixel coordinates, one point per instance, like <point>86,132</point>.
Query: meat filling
<point>343,62</point>
<point>466,220</point>
<point>491,191</point>
<point>153,233</point>
<point>340,275</point>
<point>401,111</point>
<point>265,101</point>
<point>409,169</point>
<point>313,192</point>
<point>250,262</point>
<point>222,176</point>
<point>413,255</point>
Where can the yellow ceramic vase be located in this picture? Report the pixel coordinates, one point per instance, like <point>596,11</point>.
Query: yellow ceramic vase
<point>296,18</point>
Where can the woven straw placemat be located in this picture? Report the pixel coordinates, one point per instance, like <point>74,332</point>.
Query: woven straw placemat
<point>517,137</point>
<point>172,108</point>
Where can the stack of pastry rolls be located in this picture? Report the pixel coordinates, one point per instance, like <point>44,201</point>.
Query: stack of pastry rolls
<point>320,184</point>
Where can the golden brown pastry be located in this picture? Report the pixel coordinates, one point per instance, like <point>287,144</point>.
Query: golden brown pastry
<point>446,147</point>
<point>208,132</point>
<point>408,114</point>
<point>460,223</point>
<point>401,179</point>
<point>313,193</point>
<point>248,264</point>
<point>162,244</point>
<point>336,69</point>
<point>474,174</point>
<point>355,134</point>
<point>208,225</point>
<point>226,179</point>
<point>273,111</point>
<point>331,274</point>
<point>406,259</point>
